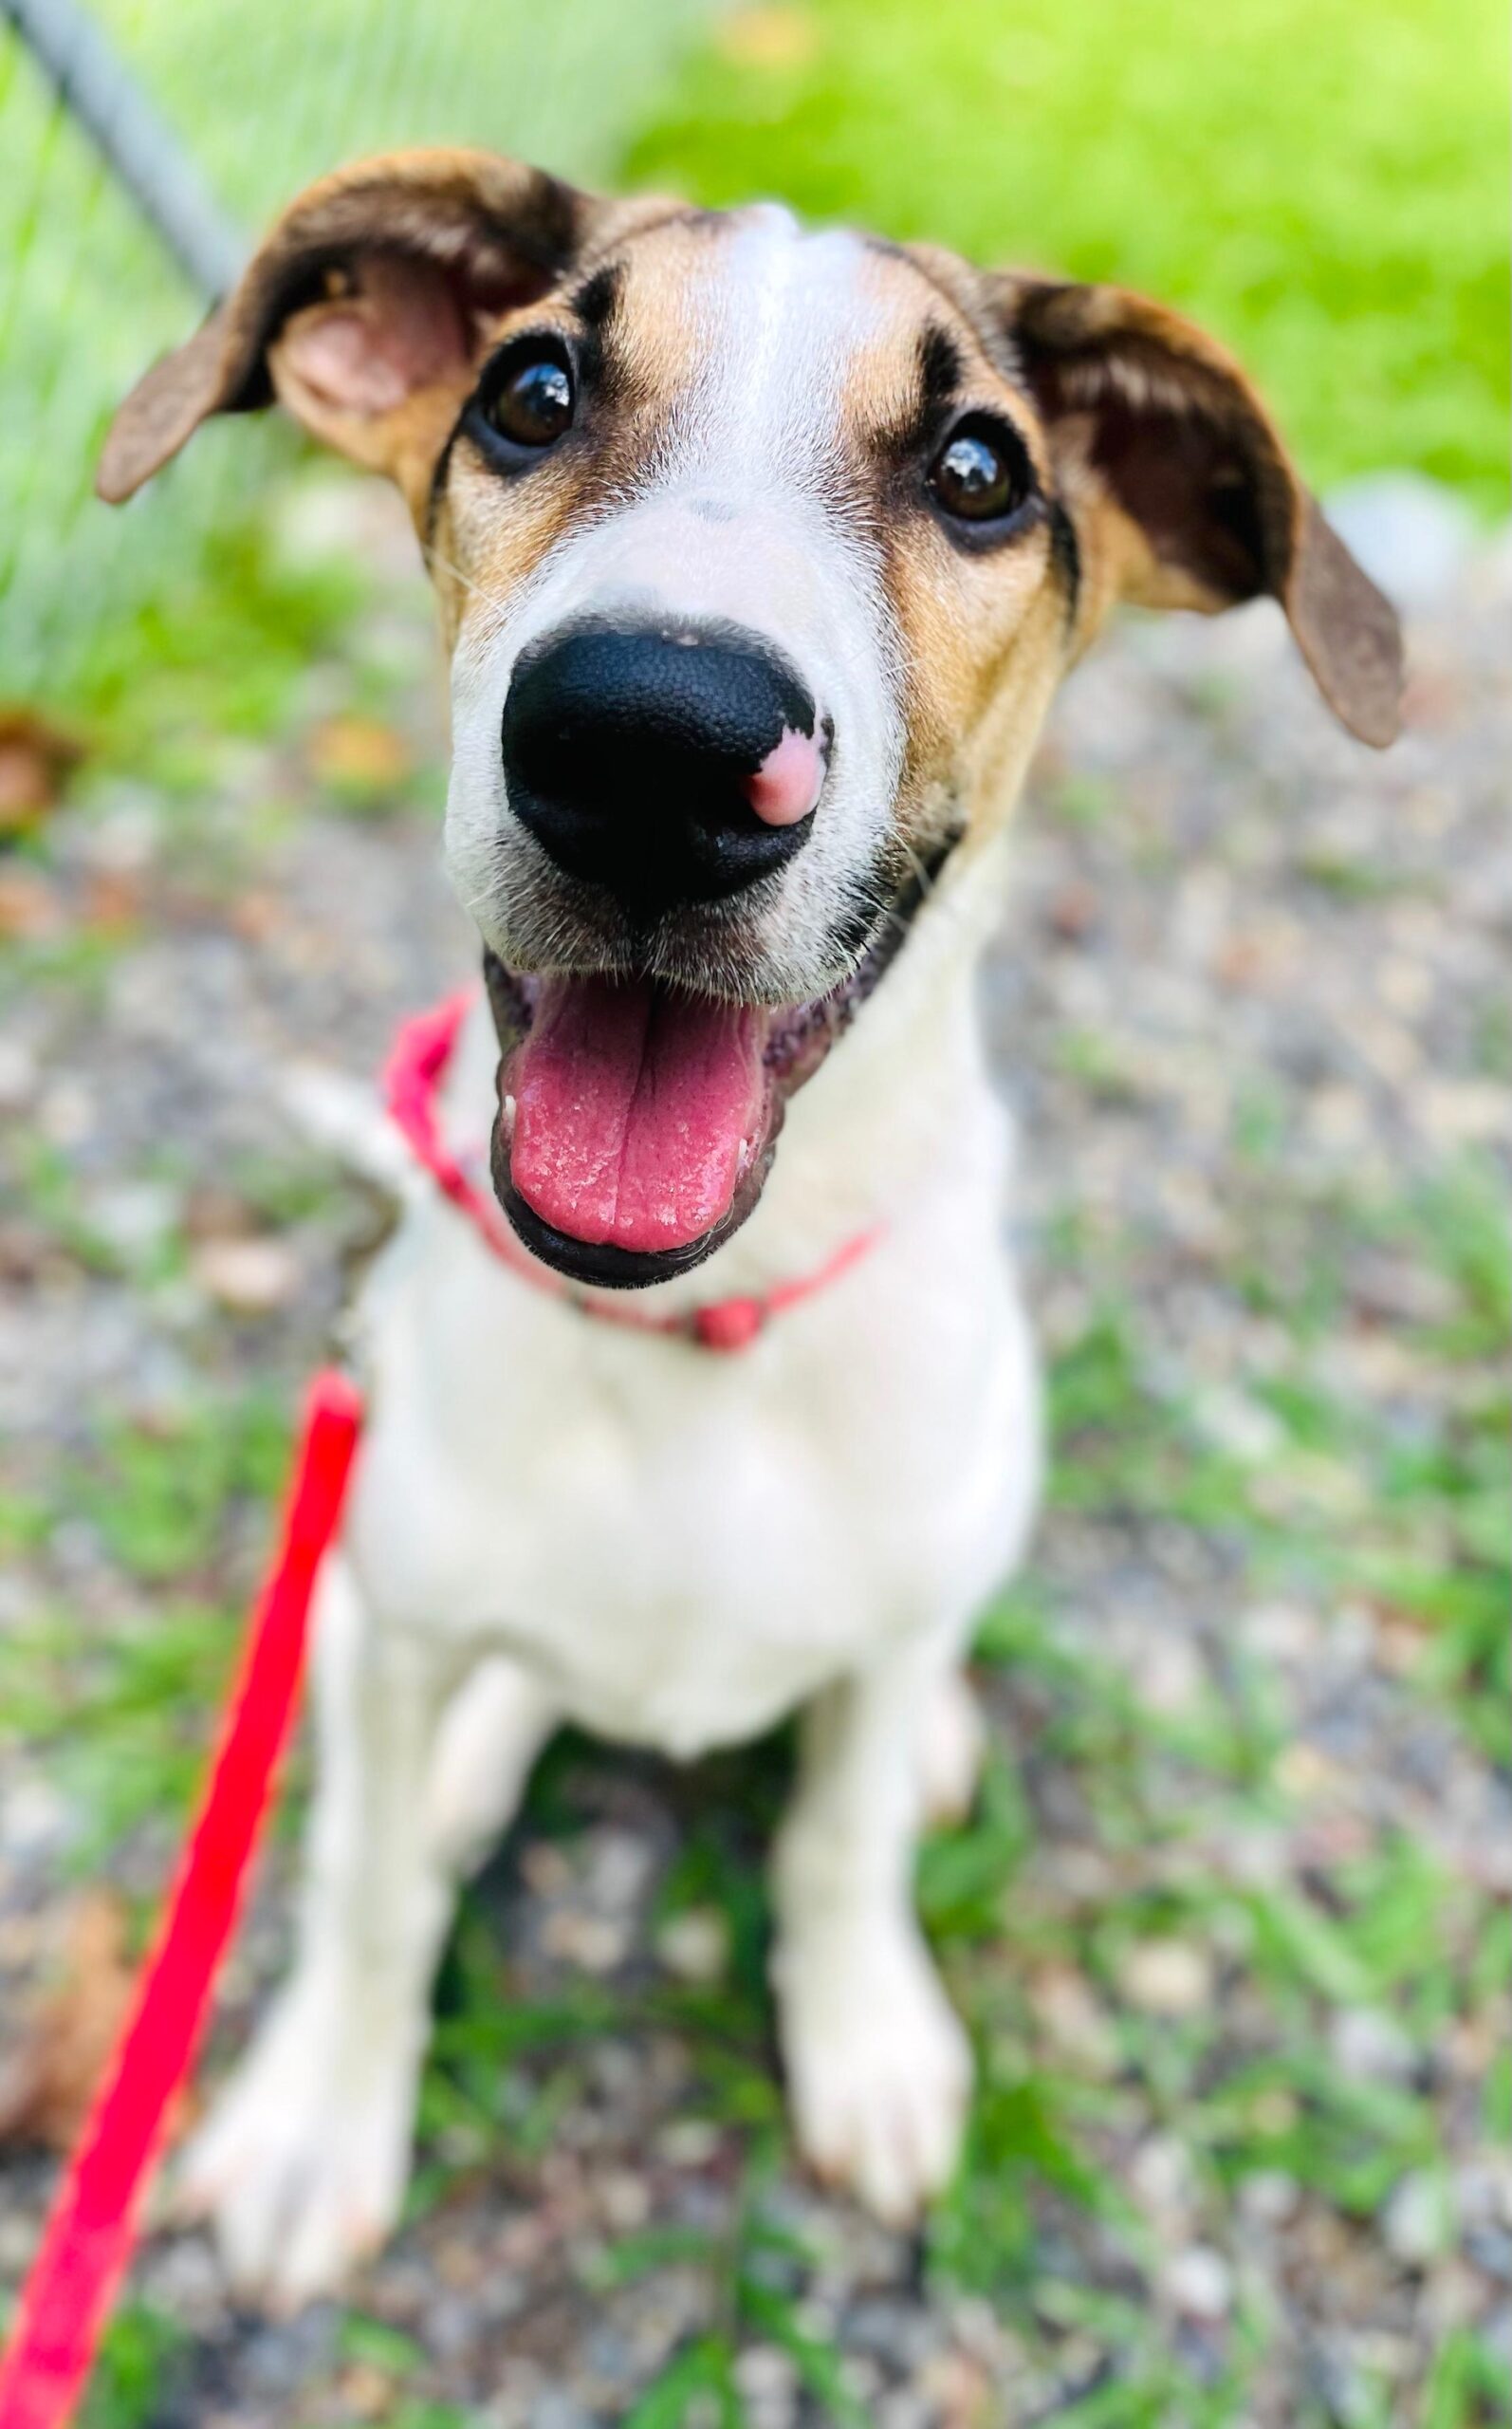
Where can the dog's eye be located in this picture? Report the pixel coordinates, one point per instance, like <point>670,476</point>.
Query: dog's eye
<point>982,473</point>
<point>531,405</point>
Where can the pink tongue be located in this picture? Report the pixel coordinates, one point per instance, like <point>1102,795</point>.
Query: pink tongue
<point>631,1108</point>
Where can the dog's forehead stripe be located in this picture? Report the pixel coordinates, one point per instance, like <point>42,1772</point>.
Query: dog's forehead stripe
<point>767,320</point>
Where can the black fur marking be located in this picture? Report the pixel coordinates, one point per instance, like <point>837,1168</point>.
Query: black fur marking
<point>1065,553</point>
<point>438,480</point>
<point>939,378</point>
<point>939,368</point>
<point>598,299</point>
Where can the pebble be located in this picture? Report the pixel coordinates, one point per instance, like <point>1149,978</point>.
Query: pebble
<point>1171,1978</point>
<point>596,1942</point>
<point>1198,2283</point>
<point>1418,2221</point>
<point>1369,2045</point>
<point>1270,2197</point>
<point>18,1075</point>
<point>248,1277</point>
<point>694,1945</point>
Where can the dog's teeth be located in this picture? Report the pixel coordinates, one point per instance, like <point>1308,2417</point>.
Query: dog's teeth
<point>508,1107</point>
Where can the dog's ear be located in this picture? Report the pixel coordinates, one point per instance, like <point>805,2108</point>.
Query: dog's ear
<point>366,312</point>
<point>1193,502</point>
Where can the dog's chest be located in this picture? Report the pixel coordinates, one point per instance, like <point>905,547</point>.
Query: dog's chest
<point>687,1545</point>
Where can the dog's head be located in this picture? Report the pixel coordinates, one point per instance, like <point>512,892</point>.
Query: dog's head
<point>759,552</point>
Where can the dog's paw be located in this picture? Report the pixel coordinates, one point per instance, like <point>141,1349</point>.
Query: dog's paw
<point>301,2167</point>
<point>878,2066</point>
<point>950,1750</point>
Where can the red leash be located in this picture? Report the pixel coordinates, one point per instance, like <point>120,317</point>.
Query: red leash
<point>412,1080</point>
<point>92,2225</point>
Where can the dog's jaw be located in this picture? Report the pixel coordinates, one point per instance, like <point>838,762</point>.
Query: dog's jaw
<point>792,1043</point>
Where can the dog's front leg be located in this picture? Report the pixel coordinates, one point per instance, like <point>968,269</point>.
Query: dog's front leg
<point>878,2064</point>
<point>304,2161</point>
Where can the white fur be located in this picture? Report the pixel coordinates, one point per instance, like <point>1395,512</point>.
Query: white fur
<point>556,1519</point>
<point>771,323</point>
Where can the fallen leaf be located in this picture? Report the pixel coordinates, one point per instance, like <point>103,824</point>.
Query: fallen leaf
<point>773,37</point>
<point>28,906</point>
<point>112,902</point>
<point>212,1212</point>
<point>48,2075</point>
<point>36,760</point>
<point>359,754</point>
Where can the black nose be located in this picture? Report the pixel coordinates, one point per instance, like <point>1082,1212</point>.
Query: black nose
<point>628,754</point>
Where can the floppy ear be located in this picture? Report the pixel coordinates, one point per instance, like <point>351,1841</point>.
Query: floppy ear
<point>1198,501</point>
<point>366,312</point>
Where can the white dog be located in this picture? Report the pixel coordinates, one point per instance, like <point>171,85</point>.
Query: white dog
<point>759,554</point>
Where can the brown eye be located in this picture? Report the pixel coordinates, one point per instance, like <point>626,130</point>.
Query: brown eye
<point>982,473</point>
<point>531,405</point>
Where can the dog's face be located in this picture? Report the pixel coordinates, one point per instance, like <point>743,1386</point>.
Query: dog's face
<point>759,552</point>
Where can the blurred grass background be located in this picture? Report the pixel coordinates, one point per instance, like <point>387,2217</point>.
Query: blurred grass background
<point>1322,181</point>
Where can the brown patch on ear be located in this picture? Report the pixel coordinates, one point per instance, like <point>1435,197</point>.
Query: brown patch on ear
<point>164,408</point>
<point>383,279</point>
<point>1201,505</point>
<point>1346,630</point>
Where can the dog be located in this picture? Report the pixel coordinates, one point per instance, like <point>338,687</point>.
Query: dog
<point>760,551</point>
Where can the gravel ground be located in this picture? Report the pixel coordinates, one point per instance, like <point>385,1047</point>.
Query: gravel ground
<point>1251,982</point>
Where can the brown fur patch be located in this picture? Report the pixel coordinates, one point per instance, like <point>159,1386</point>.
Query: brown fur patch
<point>1200,504</point>
<point>1153,445</point>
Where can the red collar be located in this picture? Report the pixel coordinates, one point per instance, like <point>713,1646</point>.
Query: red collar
<point>412,1078</point>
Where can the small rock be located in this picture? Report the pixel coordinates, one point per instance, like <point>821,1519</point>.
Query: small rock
<point>1418,2222</point>
<point>1366,2043</point>
<point>555,2409</point>
<point>1270,2197</point>
<point>1167,1977</point>
<point>694,1945</point>
<point>1161,2175</point>
<point>18,1075</point>
<point>597,1942</point>
<point>688,2141</point>
<point>763,2374</point>
<point>1198,2283</point>
<point>617,1871</point>
<point>248,1277</point>
<point>34,1817</point>
<point>1063,2000</point>
<point>133,1218</point>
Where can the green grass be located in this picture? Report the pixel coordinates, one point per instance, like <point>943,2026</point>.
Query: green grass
<point>1382,1928</point>
<point>1321,181</point>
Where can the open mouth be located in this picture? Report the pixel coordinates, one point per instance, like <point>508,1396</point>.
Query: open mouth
<point>637,1120</point>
